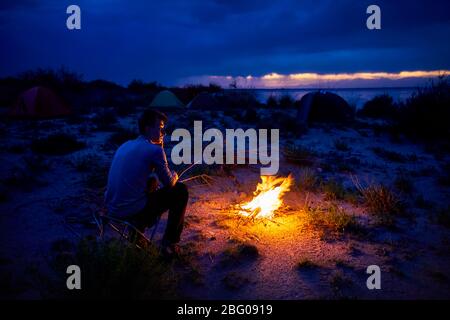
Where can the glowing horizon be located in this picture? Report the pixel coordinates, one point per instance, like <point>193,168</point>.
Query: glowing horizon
<point>295,80</point>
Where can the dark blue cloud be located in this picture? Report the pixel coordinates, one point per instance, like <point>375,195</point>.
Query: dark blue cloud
<point>121,40</point>
<point>8,5</point>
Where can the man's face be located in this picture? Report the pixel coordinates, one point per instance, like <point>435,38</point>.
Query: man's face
<point>156,132</point>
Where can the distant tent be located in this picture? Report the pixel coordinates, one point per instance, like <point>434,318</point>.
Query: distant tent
<point>239,99</point>
<point>39,102</point>
<point>323,107</point>
<point>166,99</point>
<point>204,101</point>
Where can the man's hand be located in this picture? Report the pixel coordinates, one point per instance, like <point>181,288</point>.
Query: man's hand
<point>175,177</point>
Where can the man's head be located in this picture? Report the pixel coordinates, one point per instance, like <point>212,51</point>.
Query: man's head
<point>151,125</point>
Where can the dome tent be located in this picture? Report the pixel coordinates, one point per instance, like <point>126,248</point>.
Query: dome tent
<point>39,102</point>
<point>166,99</point>
<point>204,100</point>
<point>323,107</point>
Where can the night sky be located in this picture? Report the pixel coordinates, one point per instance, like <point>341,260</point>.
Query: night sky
<point>264,43</point>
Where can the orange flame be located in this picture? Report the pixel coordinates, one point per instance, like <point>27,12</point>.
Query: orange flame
<point>267,197</point>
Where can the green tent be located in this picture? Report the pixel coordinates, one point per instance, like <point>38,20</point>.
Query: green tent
<point>204,101</point>
<point>166,99</point>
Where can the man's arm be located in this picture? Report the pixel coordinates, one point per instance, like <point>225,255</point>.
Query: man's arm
<point>165,175</point>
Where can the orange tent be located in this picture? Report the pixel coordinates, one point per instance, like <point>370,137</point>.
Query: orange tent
<point>39,102</point>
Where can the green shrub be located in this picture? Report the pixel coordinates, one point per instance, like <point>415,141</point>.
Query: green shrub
<point>114,270</point>
<point>331,219</point>
<point>308,180</point>
<point>286,102</point>
<point>239,254</point>
<point>235,99</point>
<point>250,116</point>
<point>243,251</point>
<point>425,115</point>
<point>381,106</point>
<point>382,202</point>
<point>333,190</point>
<point>338,220</point>
<point>338,281</point>
<point>272,102</point>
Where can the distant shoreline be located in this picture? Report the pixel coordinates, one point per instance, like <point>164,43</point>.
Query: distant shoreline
<point>350,89</point>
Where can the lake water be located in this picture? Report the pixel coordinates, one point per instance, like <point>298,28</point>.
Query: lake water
<point>357,96</point>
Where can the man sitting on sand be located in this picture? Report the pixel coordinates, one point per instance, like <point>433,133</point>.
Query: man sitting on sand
<point>127,195</point>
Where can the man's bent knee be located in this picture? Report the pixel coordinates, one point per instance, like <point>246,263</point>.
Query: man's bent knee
<point>181,190</point>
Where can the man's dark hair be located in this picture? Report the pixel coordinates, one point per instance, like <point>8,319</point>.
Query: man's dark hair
<point>148,118</point>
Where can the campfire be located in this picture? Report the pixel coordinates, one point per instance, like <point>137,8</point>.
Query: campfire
<point>267,197</point>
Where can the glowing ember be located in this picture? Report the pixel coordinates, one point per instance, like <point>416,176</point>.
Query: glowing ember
<point>267,197</point>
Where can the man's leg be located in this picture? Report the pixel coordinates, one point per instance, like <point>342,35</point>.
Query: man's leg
<point>173,199</point>
<point>177,200</point>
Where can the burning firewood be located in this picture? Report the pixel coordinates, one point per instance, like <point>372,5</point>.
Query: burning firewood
<point>267,197</point>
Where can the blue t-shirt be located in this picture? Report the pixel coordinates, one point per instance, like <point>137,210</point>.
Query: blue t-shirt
<point>133,163</point>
